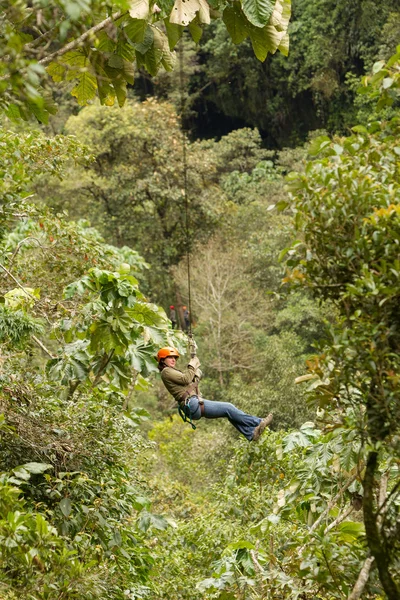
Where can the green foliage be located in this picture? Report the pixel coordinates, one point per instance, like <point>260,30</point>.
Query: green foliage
<point>104,47</point>
<point>24,156</point>
<point>75,519</point>
<point>79,521</point>
<point>133,190</point>
<point>332,46</point>
<point>16,327</point>
<point>115,331</point>
<point>347,214</point>
<point>254,527</point>
<point>384,83</point>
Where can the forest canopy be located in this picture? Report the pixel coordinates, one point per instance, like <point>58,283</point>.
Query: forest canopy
<point>105,493</point>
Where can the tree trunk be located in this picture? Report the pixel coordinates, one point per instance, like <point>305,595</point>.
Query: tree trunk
<point>378,550</point>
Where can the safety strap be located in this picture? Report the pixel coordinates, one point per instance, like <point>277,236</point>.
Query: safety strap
<point>182,413</point>
<point>184,416</point>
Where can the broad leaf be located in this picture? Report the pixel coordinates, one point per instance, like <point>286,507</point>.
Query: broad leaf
<point>35,468</point>
<point>147,42</point>
<point>174,33</point>
<point>281,15</point>
<point>258,12</point>
<point>120,90</point>
<point>196,31</point>
<point>104,43</point>
<point>284,45</point>
<point>135,30</point>
<point>184,11</point>
<point>265,40</point>
<point>139,9</point>
<point>86,88</point>
<point>65,506</point>
<point>235,22</point>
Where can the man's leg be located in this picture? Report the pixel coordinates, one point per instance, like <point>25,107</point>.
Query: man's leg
<point>243,422</point>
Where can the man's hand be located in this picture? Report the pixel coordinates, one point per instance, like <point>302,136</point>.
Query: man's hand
<point>199,373</point>
<point>194,362</point>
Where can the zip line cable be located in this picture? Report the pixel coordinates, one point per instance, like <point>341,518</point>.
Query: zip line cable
<point>185,186</point>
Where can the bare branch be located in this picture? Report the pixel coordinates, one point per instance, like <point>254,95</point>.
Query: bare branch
<point>340,518</point>
<point>17,249</point>
<point>18,283</point>
<point>42,346</point>
<point>254,559</point>
<point>361,580</point>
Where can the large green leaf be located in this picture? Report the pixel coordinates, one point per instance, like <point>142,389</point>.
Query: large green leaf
<point>174,33</point>
<point>128,72</point>
<point>120,90</point>
<point>147,42</point>
<point>281,15</point>
<point>86,89</point>
<point>284,45</point>
<point>104,43</point>
<point>154,56</point>
<point>135,30</point>
<point>36,468</point>
<point>65,506</point>
<point>147,314</point>
<point>235,22</point>
<point>258,12</point>
<point>265,40</point>
<point>68,66</point>
<point>196,31</point>
<point>124,49</point>
<point>105,90</point>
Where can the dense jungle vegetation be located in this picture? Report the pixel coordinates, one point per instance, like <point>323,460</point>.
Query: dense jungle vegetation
<point>289,116</point>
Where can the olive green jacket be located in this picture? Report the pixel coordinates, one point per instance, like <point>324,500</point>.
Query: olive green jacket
<point>180,384</point>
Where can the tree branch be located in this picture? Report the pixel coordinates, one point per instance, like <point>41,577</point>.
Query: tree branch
<point>43,37</point>
<point>332,504</point>
<point>42,346</point>
<point>102,368</point>
<point>18,283</point>
<point>361,580</point>
<point>333,501</point>
<point>378,549</point>
<point>75,43</point>
<point>339,519</point>
<point>18,247</point>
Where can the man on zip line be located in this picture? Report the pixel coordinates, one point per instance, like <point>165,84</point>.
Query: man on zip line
<point>184,387</point>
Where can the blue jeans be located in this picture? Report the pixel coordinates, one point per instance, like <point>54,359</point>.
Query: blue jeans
<point>217,410</point>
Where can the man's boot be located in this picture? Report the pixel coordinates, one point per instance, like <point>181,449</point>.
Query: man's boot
<point>260,428</point>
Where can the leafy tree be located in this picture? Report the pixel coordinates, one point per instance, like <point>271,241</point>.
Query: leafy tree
<point>95,45</point>
<point>24,156</point>
<point>348,215</point>
<point>331,43</point>
<point>133,189</point>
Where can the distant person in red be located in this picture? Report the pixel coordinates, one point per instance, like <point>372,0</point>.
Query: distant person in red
<point>172,316</point>
<point>186,319</point>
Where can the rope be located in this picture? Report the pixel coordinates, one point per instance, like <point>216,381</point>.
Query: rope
<point>185,185</point>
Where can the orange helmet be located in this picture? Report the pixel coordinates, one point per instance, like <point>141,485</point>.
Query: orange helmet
<point>167,351</point>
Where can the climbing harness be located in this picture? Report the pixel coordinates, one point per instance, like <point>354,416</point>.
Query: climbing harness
<point>182,412</point>
<point>185,402</point>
